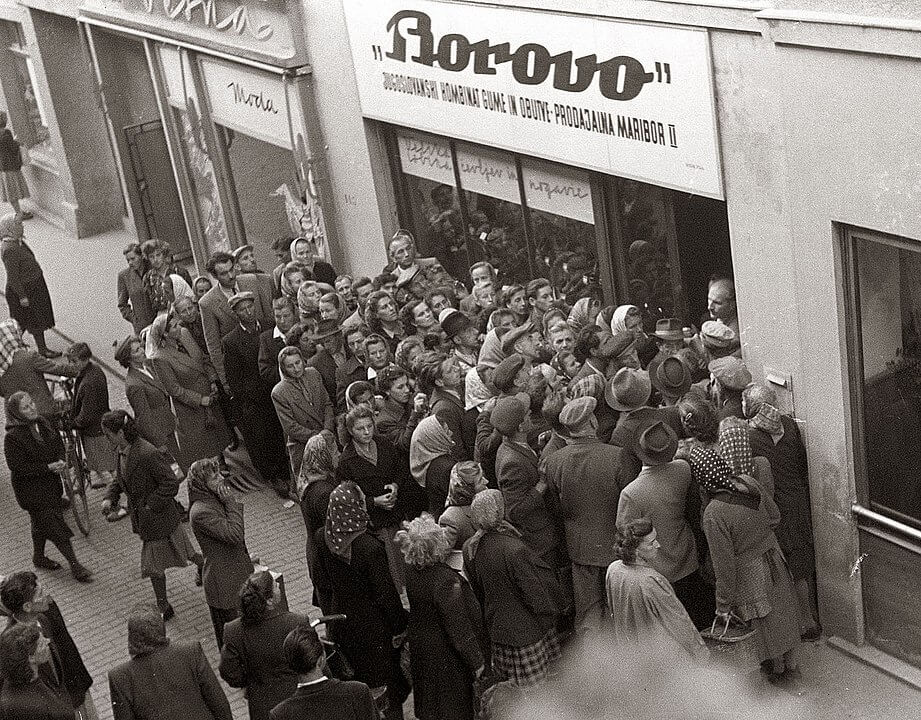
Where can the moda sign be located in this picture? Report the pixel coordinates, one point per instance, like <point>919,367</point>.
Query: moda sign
<point>623,98</point>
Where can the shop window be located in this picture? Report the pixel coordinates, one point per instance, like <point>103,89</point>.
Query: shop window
<point>563,226</point>
<point>33,126</point>
<point>886,289</point>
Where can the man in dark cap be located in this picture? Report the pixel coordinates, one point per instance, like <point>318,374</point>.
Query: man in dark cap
<point>464,338</point>
<point>256,418</point>
<point>521,340</point>
<point>660,493</point>
<point>509,378</point>
<point>585,475</point>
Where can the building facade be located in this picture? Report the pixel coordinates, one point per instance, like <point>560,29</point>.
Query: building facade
<point>642,147</point>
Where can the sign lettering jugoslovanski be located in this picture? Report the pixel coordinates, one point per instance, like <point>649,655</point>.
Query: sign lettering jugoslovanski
<point>628,99</point>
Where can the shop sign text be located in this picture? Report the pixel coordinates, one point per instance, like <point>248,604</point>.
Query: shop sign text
<point>233,19</point>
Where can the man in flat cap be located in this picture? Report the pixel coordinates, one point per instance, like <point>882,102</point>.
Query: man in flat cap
<point>585,475</point>
<point>254,411</point>
<point>510,378</point>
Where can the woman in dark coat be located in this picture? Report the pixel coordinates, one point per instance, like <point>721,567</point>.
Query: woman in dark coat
<point>253,656</point>
<point>316,480</point>
<point>431,461</point>
<point>352,563</point>
<point>13,187</point>
<point>146,476</point>
<point>446,638</point>
<point>216,517</point>
<point>26,291</point>
<point>153,413</point>
<point>34,454</point>
<point>189,379</point>
<point>379,469</point>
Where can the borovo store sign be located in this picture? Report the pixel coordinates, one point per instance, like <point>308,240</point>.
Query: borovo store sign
<point>623,98</point>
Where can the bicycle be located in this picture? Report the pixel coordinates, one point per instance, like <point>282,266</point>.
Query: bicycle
<point>75,475</point>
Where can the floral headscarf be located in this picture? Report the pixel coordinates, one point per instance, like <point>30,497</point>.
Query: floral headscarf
<point>318,461</point>
<point>768,418</point>
<point>709,470</point>
<point>346,519</point>
<point>580,315</point>
<point>430,440</point>
<point>476,392</point>
<point>736,450</point>
<point>466,476</point>
<point>10,341</point>
<point>487,513</point>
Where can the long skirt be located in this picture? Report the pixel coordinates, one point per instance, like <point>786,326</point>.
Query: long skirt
<point>99,454</point>
<point>158,555</point>
<point>528,665</point>
<point>39,315</point>
<point>778,628</point>
<point>49,524</point>
<point>13,186</point>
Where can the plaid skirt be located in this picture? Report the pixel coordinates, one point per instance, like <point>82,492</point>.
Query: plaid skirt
<point>528,665</point>
<point>175,551</point>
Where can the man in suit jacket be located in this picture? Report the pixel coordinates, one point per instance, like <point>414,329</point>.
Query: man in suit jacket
<point>585,477</point>
<point>318,697</point>
<point>217,318</point>
<point>133,303</point>
<point>256,418</point>
<point>163,679</point>
<point>272,341</point>
<point>522,488</point>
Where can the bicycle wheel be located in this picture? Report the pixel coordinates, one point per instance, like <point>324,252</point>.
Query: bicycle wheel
<point>75,487</point>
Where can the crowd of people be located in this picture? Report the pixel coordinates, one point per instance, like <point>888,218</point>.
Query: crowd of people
<point>488,474</point>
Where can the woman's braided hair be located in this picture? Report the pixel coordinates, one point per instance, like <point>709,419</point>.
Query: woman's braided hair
<point>628,538</point>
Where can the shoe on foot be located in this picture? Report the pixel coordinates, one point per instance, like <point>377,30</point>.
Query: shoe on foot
<point>167,613</point>
<point>81,574</point>
<point>45,563</point>
<point>116,515</point>
<point>26,215</point>
<point>97,481</point>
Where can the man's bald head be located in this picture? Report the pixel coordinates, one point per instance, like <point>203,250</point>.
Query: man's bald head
<point>721,300</point>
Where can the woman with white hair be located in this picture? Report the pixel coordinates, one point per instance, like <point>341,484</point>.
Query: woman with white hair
<point>445,626</point>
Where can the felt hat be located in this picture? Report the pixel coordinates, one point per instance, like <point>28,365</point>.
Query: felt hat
<point>242,296</point>
<point>657,444</point>
<point>628,390</point>
<point>509,413</point>
<point>672,377</point>
<point>730,372</point>
<point>455,323</point>
<point>577,412</point>
<point>514,335</point>
<point>324,329</point>
<point>240,250</point>
<point>669,329</point>
<point>716,335</point>
<point>504,376</point>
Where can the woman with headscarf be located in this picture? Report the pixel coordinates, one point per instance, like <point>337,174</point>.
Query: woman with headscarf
<point>253,655</point>
<point>148,399</point>
<point>315,482</point>
<point>641,602</point>
<point>26,292</point>
<point>200,285</point>
<point>466,481</point>
<point>165,281</point>
<point>145,475</point>
<point>35,455</point>
<point>301,403</point>
<point>22,368</point>
<point>292,277</point>
<point>431,460</point>
<point>583,313</point>
<point>164,679</point>
<point>445,626</point>
<point>518,594</point>
<point>628,319</point>
<point>216,518</point>
<point>189,379</point>
<point>353,564</point>
<point>753,583</point>
<point>777,438</point>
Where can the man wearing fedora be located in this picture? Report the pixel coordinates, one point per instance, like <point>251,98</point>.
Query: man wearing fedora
<point>584,475</point>
<point>669,335</point>
<point>660,493</point>
<point>329,355</point>
<point>256,418</point>
<point>628,392</point>
<point>672,379</point>
<point>463,337</point>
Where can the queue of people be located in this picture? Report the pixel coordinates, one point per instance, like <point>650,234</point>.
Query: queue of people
<point>487,477</point>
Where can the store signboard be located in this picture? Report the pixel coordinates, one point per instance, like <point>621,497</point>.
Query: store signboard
<point>551,188</point>
<point>623,98</point>
<point>251,102</point>
<point>260,29</point>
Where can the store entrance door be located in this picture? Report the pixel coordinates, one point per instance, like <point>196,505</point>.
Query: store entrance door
<point>152,177</point>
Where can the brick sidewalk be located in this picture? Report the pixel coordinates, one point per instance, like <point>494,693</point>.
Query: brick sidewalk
<point>96,613</point>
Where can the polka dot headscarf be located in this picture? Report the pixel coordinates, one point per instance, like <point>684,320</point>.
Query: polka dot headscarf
<point>346,519</point>
<point>710,471</point>
<point>736,450</point>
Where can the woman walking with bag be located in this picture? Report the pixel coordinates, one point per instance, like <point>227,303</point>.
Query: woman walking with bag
<point>146,476</point>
